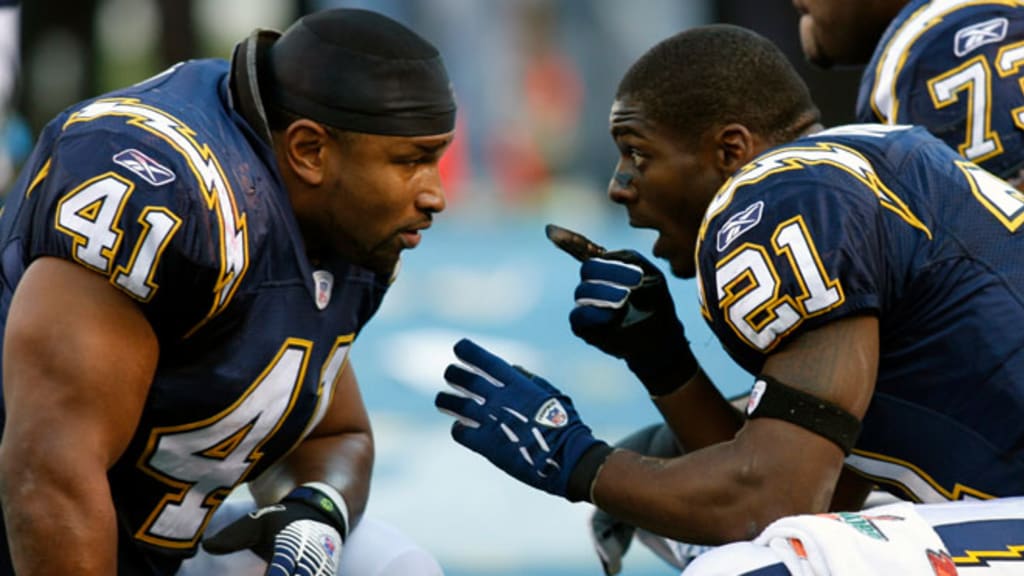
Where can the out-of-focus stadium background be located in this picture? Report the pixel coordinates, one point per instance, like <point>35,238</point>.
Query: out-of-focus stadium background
<point>534,80</point>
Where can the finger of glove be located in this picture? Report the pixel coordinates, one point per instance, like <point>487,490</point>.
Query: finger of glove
<point>540,382</point>
<point>584,319</point>
<point>466,411</point>
<point>306,548</point>
<point>503,444</point>
<point>480,438</point>
<point>613,272</point>
<point>635,258</point>
<point>601,295</point>
<point>573,243</point>
<point>469,384</point>
<point>485,365</point>
<point>549,389</point>
<point>472,383</point>
<point>241,534</point>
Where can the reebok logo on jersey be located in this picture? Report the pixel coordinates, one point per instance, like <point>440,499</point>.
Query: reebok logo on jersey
<point>148,169</point>
<point>552,414</point>
<point>739,223</point>
<point>971,37</point>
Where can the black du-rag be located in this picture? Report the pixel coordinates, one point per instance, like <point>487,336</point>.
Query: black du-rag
<point>352,69</point>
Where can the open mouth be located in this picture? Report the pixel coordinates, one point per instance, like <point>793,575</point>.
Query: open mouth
<point>641,225</point>
<point>410,238</point>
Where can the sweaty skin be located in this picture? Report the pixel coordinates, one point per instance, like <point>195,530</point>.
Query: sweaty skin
<point>731,490</point>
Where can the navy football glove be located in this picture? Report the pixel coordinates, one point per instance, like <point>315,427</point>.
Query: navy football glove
<point>521,423</point>
<point>624,308</point>
<point>301,535</point>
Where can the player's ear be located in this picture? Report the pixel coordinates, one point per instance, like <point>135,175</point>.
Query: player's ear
<point>736,145</point>
<point>305,150</point>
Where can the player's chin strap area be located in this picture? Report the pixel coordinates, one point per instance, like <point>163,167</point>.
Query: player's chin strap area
<point>770,398</point>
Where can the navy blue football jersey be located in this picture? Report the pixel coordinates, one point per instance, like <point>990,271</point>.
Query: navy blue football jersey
<point>886,221</point>
<point>185,212</point>
<point>954,66</point>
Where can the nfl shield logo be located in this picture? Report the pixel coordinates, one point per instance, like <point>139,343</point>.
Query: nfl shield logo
<point>329,546</point>
<point>323,281</point>
<point>755,395</point>
<point>552,414</point>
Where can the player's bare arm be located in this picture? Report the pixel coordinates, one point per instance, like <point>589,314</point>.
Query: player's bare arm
<point>851,490</point>
<point>773,468</point>
<point>698,414</point>
<point>78,360</point>
<point>338,452</point>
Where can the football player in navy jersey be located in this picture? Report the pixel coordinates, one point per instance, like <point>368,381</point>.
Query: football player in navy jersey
<point>953,66</point>
<point>866,275</point>
<point>185,265</point>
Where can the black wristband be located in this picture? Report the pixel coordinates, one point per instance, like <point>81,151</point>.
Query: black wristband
<point>772,399</point>
<point>669,374</point>
<point>322,503</point>
<point>577,489</point>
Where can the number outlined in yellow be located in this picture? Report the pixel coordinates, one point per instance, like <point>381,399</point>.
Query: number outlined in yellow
<point>169,450</point>
<point>749,286</point>
<point>76,212</point>
<point>209,177</point>
<point>975,77</point>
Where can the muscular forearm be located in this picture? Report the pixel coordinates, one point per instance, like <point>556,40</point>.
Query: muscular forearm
<point>77,365</point>
<point>57,522</point>
<point>344,461</point>
<point>723,493</point>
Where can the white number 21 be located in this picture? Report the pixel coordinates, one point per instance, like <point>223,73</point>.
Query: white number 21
<point>749,287</point>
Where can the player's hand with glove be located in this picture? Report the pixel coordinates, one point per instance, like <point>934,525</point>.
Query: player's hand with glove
<point>624,308</point>
<point>301,535</point>
<point>521,423</point>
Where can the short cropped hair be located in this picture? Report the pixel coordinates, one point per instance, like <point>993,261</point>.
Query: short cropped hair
<point>719,74</point>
